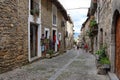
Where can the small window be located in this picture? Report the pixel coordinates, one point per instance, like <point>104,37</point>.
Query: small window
<point>54,19</point>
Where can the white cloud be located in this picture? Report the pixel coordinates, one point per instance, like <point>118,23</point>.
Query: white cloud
<point>75,3</point>
<point>78,15</point>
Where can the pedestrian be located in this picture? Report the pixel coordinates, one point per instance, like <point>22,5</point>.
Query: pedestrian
<point>77,47</point>
<point>58,44</point>
<point>86,47</point>
<point>43,45</point>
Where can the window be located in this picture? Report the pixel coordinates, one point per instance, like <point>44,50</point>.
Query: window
<point>54,15</point>
<point>54,19</point>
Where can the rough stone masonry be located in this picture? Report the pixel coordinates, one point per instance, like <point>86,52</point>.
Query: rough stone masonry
<point>13,34</point>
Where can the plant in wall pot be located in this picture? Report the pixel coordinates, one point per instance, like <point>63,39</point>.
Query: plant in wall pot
<point>103,60</point>
<point>94,26</point>
<point>35,13</point>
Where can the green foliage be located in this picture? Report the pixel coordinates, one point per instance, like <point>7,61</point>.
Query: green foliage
<point>102,55</point>
<point>46,41</point>
<point>101,51</point>
<point>50,52</point>
<point>104,60</point>
<point>90,33</point>
<point>93,23</point>
<point>98,52</point>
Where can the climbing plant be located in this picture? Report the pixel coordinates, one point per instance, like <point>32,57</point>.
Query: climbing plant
<point>93,23</point>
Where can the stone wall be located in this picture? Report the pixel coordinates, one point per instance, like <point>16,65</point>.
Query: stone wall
<point>13,34</point>
<point>87,39</point>
<point>46,20</point>
<point>69,42</point>
<point>114,58</point>
<point>105,15</point>
<point>61,29</point>
<point>104,20</point>
<point>46,12</point>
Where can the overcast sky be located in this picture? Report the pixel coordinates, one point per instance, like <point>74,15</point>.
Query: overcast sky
<point>78,15</point>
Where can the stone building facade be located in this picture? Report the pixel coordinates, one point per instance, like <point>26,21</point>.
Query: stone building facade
<point>21,25</point>
<point>107,16</point>
<point>85,37</point>
<point>114,40</point>
<point>13,34</point>
<point>108,31</point>
<point>61,30</point>
<point>69,33</point>
<point>53,21</point>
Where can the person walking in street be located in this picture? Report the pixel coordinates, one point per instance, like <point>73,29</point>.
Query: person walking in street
<point>86,47</point>
<point>77,47</point>
<point>43,45</point>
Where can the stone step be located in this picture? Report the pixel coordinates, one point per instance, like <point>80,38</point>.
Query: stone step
<point>112,76</point>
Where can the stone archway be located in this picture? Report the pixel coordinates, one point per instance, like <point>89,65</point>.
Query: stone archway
<point>115,43</point>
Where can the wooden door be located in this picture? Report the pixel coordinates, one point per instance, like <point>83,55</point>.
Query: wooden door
<point>117,57</point>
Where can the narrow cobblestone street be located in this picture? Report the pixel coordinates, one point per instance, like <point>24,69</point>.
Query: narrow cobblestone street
<point>72,65</point>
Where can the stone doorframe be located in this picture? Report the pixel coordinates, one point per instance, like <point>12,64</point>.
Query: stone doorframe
<point>38,22</point>
<point>112,44</point>
<point>56,38</point>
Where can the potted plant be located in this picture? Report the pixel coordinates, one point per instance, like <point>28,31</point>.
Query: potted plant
<point>50,52</point>
<point>103,60</point>
<point>101,53</point>
<point>94,26</point>
<point>35,12</point>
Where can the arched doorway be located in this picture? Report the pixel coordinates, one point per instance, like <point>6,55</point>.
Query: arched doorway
<point>117,45</point>
<point>115,40</point>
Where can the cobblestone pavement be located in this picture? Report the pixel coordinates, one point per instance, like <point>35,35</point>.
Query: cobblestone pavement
<point>73,65</point>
